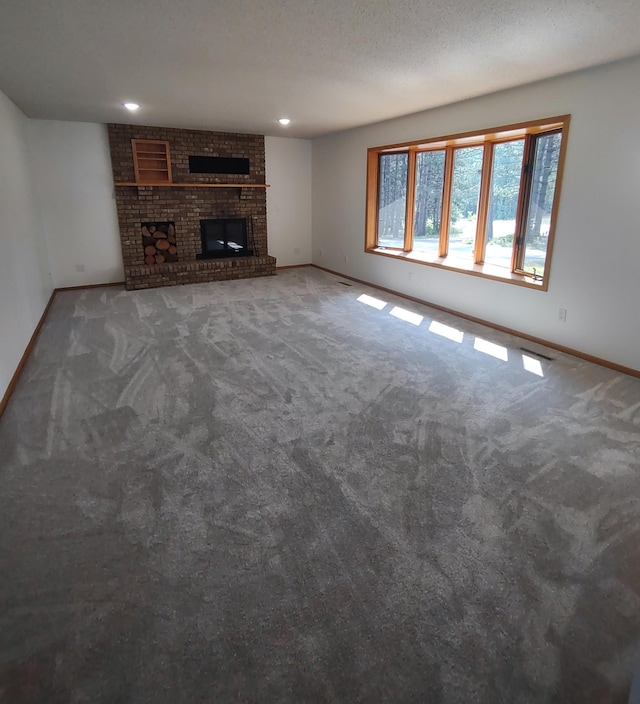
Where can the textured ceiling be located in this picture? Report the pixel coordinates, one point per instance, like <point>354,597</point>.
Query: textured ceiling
<point>327,64</point>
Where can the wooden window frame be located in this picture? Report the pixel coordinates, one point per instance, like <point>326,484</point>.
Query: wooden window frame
<point>408,227</point>
<point>445,217</point>
<point>487,138</point>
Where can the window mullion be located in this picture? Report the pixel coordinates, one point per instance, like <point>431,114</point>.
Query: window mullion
<point>523,197</point>
<point>411,199</point>
<point>483,204</point>
<point>446,203</point>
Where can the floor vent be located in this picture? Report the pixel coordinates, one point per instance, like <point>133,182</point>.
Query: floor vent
<point>536,354</point>
<point>344,283</point>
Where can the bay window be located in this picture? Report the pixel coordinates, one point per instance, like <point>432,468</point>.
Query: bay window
<point>483,203</point>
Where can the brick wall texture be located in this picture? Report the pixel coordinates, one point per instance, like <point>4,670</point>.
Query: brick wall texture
<point>187,206</point>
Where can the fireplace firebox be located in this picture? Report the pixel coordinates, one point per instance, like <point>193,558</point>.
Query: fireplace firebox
<point>224,237</point>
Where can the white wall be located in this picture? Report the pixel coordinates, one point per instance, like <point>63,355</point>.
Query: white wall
<point>596,259</point>
<point>288,169</point>
<point>25,284</point>
<point>73,184</point>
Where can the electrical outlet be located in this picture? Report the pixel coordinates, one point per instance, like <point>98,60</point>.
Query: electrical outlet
<point>562,314</point>
<point>319,252</point>
<point>79,267</point>
<point>346,258</point>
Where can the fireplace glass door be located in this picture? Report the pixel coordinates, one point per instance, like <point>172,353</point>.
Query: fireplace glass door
<point>224,238</point>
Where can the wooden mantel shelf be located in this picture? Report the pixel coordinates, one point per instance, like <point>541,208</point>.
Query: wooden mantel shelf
<point>197,185</point>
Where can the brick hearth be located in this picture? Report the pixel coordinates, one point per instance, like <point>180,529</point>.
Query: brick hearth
<point>186,206</point>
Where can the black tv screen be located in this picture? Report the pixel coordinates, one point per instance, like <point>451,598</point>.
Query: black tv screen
<point>218,165</point>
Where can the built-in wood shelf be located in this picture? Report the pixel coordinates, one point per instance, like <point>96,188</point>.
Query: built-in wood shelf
<point>195,185</point>
<point>151,161</point>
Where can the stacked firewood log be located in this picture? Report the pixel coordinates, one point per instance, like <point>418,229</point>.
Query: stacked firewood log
<point>159,242</point>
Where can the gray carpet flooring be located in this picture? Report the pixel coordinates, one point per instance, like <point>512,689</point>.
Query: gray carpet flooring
<point>280,490</point>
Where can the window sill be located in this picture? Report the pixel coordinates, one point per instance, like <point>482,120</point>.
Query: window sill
<point>486,271</point>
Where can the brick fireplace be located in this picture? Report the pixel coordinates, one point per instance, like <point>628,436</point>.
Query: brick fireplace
<point>169,183</point>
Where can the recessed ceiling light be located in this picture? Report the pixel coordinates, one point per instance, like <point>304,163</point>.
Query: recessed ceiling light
<point>284,121</point>
<point>131,106</point>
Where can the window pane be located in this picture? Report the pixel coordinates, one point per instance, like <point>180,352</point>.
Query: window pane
<point>543,186</point>
<point>465,192</point>
<point>428,207</point>
<point>392,199</point>
<point>503,202</point>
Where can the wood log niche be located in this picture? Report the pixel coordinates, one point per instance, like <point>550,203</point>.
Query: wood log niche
<point>159,242</point>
